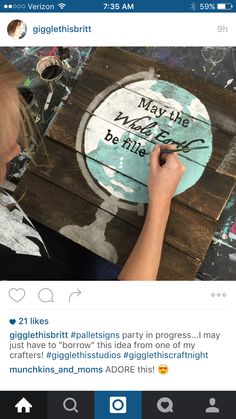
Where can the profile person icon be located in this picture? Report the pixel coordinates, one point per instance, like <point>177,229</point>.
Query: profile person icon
<point>212,408</point>
<point>17,29</point>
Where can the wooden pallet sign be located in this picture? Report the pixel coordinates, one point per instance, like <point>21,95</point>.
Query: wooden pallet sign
<point>95,189</point>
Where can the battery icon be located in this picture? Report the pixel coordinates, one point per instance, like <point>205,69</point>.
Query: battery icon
<point>225,6</point>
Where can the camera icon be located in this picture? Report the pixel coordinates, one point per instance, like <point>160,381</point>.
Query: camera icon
<point>118,404</point>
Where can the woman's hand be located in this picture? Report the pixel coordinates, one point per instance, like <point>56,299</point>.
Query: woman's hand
<point>163,179</point>
<point>143,262</point>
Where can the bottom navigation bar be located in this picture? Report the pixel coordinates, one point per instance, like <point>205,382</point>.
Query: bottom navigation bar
<point>128,404</point>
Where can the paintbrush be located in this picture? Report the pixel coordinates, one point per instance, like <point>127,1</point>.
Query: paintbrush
<point>177,150</point>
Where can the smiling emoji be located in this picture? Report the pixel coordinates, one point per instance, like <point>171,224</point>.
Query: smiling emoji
<point>163,369</point>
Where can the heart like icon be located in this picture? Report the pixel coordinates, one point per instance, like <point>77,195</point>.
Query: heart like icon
<point>16,294</point>
<point>12,321</point>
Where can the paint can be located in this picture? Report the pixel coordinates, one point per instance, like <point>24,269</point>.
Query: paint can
<point>50,68</point>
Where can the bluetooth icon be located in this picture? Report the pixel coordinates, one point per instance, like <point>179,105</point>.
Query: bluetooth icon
<point>193,6</point>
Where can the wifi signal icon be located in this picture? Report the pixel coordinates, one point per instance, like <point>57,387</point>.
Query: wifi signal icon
<point>61,5</point>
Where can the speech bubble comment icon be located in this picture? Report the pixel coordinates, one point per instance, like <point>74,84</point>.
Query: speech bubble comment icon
<point>165,405</point>
<point>45,295</point>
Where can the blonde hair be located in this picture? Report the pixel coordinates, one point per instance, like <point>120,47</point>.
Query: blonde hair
<point>10,79</point>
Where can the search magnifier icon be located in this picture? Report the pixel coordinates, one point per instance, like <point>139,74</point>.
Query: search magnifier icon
<point>70,405</point>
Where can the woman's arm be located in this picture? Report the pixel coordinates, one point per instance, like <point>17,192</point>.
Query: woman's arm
<point>143,262</point>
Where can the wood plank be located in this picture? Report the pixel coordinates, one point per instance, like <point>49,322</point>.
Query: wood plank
<point>57,208</point>
<point>92,84</point>
<point>189,231</point>
<point>208,195</point>
<point>171,267</point>
<point>114,64</point>
<point>193,213</point>
<point>223,157</point>
<point>64,171</point>
<point>65,208</point>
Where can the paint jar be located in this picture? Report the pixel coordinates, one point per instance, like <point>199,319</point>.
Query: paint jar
<point>50,68</point>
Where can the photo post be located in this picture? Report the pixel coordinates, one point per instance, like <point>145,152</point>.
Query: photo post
<point>118,209</point>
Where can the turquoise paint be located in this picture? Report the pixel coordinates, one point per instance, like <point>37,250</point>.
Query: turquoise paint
<point>111,158</point>
<point>135,166</point>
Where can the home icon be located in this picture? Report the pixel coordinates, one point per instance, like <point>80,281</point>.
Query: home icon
<point>23,404</point>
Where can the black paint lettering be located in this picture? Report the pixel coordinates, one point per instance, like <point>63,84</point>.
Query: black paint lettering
<point>126,143</point>
<point>139,127</point>
<point>146,130</point>
<point>162,134</point>
<point>109,136</point>
<point>133,146</point>
<point>161,112</point>
<point>142,152</point>
<point>115,140</point>
<point>178,118</point>
<point>185,123</point>
<point>194,141</point>
<point>131,123</point>
<point>145,105</point>
<point>172,115</point>
<point>154,109</point>
<point>137,149</point>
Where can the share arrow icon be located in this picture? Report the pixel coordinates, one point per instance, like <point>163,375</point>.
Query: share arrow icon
<point>74,294</point>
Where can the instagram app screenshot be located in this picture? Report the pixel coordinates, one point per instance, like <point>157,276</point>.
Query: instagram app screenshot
<point>117,210</point>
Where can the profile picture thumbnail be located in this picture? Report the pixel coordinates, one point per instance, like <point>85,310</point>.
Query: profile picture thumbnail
<point>17,29</point>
